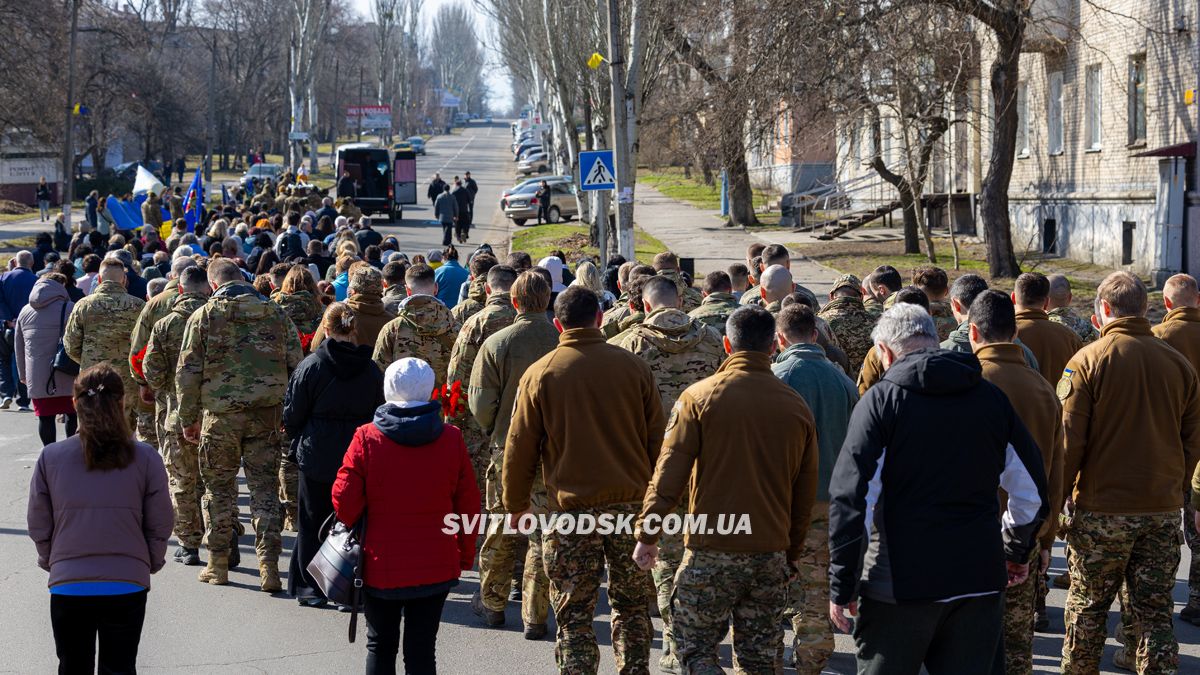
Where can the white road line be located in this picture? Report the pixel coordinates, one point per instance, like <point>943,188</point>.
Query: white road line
<point>456,155</point>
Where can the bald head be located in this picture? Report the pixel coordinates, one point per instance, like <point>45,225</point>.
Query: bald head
<point>1181,291</point>
<point>776,283</point>
<point>1060,291</point>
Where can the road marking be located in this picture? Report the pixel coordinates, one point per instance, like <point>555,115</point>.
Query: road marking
<point>456,155</point>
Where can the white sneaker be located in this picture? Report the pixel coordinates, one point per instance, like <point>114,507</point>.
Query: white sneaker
<point>6,403</point>
<point>24,408</point>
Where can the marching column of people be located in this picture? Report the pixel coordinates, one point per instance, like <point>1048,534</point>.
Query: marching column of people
<point>739,399</point>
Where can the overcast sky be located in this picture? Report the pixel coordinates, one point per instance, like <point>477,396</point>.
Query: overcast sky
<point>495,75</point>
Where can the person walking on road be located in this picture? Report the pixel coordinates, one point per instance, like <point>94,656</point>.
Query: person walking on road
<point>436,187</point>
<point>39,327</point>
<point>42,195</point>
<point>464,199</point>
<point>596,447</point>
<point>16,285</point>
<point>100,516</point>
<point>333,392</point>
<point>1128,389</point>
<point>445,209</point>
<point>412,471</point>
<point>917,605</point>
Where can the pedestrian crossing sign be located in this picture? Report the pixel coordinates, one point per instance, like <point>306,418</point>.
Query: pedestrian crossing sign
<point>596,167</point>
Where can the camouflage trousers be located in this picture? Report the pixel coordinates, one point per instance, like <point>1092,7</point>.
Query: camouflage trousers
<point>1104,551</point>
<point>575,565</point>
<point>713,587</point>
<point>1193,541</point>
<point>228,441</point>
<point>480,450</point>
<point>289,482</point>
<point>808,598</point>
<point>498,556</point>
<point>1020,606</point>
<point>187,489</point>
<point>147,428</point>
<point>670,554</point>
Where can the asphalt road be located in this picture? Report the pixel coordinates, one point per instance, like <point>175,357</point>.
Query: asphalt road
<point>196,628</point>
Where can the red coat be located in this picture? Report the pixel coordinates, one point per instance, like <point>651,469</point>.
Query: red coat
<point>407,491</point>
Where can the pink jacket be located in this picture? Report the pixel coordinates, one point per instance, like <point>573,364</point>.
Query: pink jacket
<point>99,525</point>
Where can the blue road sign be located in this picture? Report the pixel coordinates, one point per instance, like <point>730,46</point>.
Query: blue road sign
<point>597,169</point>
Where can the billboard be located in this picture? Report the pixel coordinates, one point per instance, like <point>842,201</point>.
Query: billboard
<point>372,117</point>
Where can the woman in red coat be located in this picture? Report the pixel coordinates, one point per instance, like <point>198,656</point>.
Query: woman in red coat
<point>406,472</point>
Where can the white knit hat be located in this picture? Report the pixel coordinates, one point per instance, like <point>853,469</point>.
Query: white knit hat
<point>555,267</point>
<point>408,383</point>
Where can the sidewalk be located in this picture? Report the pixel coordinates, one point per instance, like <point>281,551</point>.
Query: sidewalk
<point>697,233</point>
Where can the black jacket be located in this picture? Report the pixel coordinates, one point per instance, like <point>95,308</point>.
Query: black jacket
<point>927,450</point>
<point>346,187</point>
<point>436,187</point>
<point>334,391</point>
<point>367,237</point>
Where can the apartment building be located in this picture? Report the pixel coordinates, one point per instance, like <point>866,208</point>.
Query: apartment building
<point>793,156</point>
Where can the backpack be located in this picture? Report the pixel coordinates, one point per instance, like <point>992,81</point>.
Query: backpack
<point>292,246</point>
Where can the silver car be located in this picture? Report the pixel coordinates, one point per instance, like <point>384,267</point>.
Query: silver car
<point>521,205</point>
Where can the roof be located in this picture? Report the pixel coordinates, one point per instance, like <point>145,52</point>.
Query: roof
<point>1187,149</point>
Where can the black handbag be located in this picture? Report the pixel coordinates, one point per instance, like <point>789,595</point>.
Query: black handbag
<point>337,568</point>
<point>62,362</point>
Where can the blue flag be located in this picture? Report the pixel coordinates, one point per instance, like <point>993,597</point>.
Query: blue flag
<point>225,198</point>
<point>193,201</point>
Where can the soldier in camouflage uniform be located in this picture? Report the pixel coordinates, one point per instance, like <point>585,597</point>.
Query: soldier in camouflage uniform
<point>1125,525</point>
<point>181,456</point>
<point>636,309</point>
<point>849,320</point>
<point>1060,311</point>
<point>100,326</point>
<point>498,313</point>
<point>424,328</point>
<point>623,308</point>
<point>666,264</point>
<point>238,351</point>
<point>503,358</point>
<point>394,291</point>
<point>155,309</point>
<point>297,297</point>
<point>936,284</point>
<point>680,351</point>
<point>718,302</point>
<point>476,294</point>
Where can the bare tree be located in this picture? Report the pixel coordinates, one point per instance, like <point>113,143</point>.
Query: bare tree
<point>309,23</point>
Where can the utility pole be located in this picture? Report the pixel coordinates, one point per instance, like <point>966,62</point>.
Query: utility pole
<point>209,130</point>
<point>68,168</point>
<point>616,55</point>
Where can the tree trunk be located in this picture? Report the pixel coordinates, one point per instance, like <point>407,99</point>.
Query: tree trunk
<point>993,197</point>
<point>908,206</point>
<point>741,195</point>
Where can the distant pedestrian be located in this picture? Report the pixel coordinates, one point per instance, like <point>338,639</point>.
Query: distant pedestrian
<point>180,167</point>
<point>436,187</point>
<point>464,198</point>
<point>413,471</point>
<point>100,515</point>
<point>345,186</point>
<point>91,204</point>
<point>445,209</point>
<point>333,392</point>
<point>900,471</point>
<point>15,287</point>
<point>543,195</point>
<point>42,196</point>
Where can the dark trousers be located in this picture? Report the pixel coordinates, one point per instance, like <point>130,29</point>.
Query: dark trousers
<point>315,503</point>
<point>462,227</point>
<point>447,231</point>
<point>543,213</point>
<point>48,428</point>
<point>952,638</point>
<point>78,620</point>
<point>10,384</point>
<point>421,619</point>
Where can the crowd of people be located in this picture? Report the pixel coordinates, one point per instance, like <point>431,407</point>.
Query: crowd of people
<point>350,380</point>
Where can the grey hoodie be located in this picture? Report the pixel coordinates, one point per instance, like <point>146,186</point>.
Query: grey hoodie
<point>39,327</point>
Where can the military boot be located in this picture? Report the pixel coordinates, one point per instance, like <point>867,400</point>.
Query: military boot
<point>1191,613</point>
<point>268,574</point>
<point>217,571</point>
<point>235,553</point>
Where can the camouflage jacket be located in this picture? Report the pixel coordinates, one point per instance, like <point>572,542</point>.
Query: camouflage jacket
<point>852,324</point>
<point>691,297</point>
<point>943,318</point>
<point>302,308</point>
<point>237,354</point>
<point>1082,327</point>
<point>392,297</point>
<point>476,299</point>
<point>680,351</point>
<point>163,347</point>
<point>873,307</point>
<point>714,310</point>
<point>503,358</point>
<point>158,307</point>
<point>99,329</point>
<point>425,329</point>
<point>496,315</point>
<point>624,326</point>
<point>610,325</point>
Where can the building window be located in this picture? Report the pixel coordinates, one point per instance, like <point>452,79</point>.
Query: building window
<point>1054,113</point>
<point>1093,115</point>
<point>1022,120</point>
<point>1050,236</point>
<point>1137,99</point>
<point>1127,229</point>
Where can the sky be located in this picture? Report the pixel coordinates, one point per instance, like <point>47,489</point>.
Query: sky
<point>495,74</point>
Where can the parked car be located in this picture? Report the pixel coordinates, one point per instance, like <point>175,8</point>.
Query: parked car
<point>527,182</point>
<point>488,119</point>
<point>402,146</point>
<point>522,206</point>
<point>535,162</point>
<point>417,143</point>
<point>525,148</point>
<point>258,172</point>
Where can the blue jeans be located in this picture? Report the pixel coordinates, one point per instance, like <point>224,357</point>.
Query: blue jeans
<point>44,207</point>
<point>10,384</point>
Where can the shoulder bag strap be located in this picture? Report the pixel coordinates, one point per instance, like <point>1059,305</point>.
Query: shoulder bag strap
<point>52,384</point>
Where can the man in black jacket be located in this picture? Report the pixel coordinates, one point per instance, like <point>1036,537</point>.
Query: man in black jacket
<point>462,226</point>
<point>922,510</point>
<point>436,187</point>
